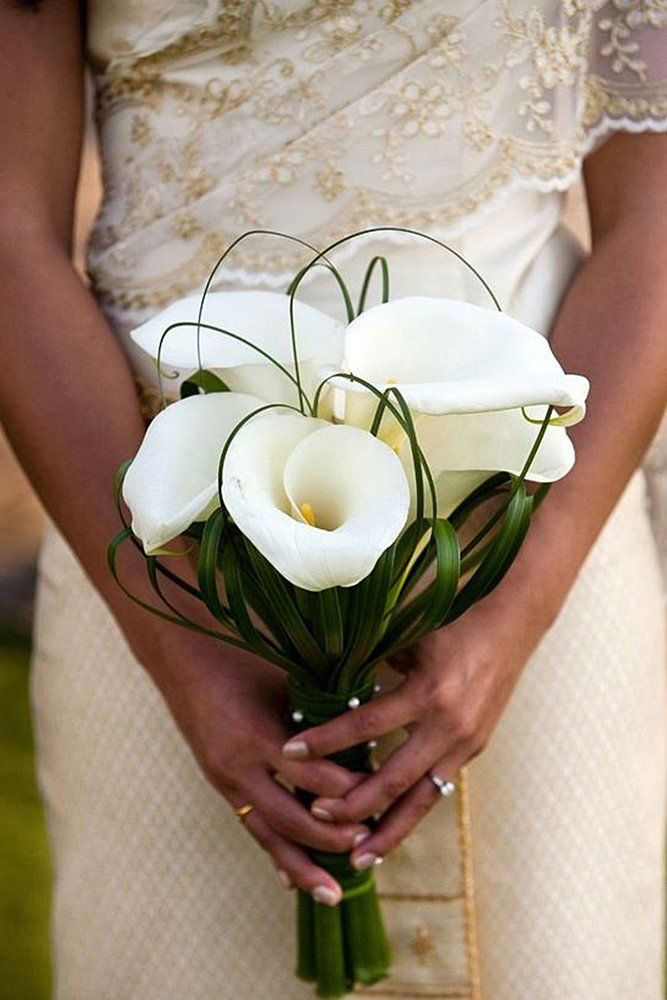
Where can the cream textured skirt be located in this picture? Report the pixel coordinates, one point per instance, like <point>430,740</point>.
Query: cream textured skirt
<point>543,882</point>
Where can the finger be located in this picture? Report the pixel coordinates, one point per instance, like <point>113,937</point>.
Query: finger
<point>294,866</point>
<point>403,817</point>
<point>287,816</point>
<point>406,765</point>
<point>321,777</point>
<point>376,718</point>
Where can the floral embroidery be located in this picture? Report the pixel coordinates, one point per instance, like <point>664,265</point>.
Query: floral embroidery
<point>141,132</point>
<point>621,47</point>
<point>553,53</point>
<point>423,945</point>
<point>323,116</point>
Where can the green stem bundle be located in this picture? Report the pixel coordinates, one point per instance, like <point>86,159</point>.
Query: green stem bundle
<point>346,944</point>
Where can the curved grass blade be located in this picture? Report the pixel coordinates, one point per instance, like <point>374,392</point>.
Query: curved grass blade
<point>209,558</point>
<point>368,620</point>
<point>256,640</point>
<point>382,262</point>
<point>281,598</point>
<point>328,623</point>
<point>177,580</point>
<point>429,609</point>
<point>235,336</point>
<point>500,554</point>
<point>112,551</point>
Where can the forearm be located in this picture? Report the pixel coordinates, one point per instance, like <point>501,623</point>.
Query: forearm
<point>67,401</point>
<point>611,327</point>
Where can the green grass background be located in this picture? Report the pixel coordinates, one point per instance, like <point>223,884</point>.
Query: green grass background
<point>25,968</point>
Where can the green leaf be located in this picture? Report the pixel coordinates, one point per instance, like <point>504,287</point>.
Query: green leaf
<point>367,620</point>
<point>281,598</point>
<point>209,558</point>
<point>328,623</point>
<point>429,609</point>
<point>202,379</point>
<point>442,591</point>
<point>255,640</point>
<point>492,487</point>
<point>177,619</point>
<point>500,553</point>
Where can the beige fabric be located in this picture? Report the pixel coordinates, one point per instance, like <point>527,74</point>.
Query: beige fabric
<point>319,117</point>
<point>160,895</point>
<point>465,118</point>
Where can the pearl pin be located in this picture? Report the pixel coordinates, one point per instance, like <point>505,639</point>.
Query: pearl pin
<point>353,703</point>
<point>297,715</point>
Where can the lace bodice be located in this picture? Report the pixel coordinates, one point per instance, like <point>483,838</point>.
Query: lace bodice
<point>323,116</point>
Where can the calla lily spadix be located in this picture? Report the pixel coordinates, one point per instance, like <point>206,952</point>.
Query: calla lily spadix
<point>173,479</point>
<point>467,374</point>
<point>321,502</point>
<point>258,316</point>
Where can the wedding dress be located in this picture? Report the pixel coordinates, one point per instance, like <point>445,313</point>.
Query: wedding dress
<point>466,119</point>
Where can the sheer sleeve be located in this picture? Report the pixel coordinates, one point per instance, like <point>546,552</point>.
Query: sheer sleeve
<point>626,88</point>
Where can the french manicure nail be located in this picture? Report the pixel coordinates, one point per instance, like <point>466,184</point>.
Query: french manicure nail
<point>284,879</point>
<point>296,750</point>
<point>366,861</point>
<point>322,894</point>
<point>320,813</point>
<point>361,837</point>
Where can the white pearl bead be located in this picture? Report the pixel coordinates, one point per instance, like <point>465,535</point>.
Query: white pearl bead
<point>448,789</point>
<point>377,688</point>
<point>372,744</point>
<point>353,703</point>
<point>297,715</point>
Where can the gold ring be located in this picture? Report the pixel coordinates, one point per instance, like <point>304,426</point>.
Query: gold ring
<point>243,811</point>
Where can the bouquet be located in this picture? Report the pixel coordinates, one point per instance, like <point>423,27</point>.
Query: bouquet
<point>325,472</point>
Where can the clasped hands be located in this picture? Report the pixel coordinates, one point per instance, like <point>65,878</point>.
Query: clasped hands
<point>448,702</point>
<point>455,685</point>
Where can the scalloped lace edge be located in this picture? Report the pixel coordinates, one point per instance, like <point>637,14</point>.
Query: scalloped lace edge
<point>606,126</point>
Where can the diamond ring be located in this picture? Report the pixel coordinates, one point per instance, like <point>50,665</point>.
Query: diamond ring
<point>446,788</point>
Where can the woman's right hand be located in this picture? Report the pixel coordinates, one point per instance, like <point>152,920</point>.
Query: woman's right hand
<point>232,709</point>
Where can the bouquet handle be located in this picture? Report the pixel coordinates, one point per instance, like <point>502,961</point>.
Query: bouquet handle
<point>339,946</point>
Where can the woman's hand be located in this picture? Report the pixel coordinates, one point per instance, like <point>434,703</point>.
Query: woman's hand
<point>457,682</point>
<point>231,707</point>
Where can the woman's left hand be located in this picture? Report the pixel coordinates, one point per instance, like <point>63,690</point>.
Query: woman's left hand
<point>457,682</point>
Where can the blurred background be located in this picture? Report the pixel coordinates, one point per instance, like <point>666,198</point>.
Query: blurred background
<point>24,861</point>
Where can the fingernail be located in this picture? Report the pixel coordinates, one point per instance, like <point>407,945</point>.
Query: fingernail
<point>320,813</point>
<point>296,749</point>
<point>361,837</point>
<point>366,861</point>
<point>322,894</point>
<point>284,879</point>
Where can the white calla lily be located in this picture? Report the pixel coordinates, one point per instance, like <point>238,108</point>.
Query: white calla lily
<point>321,502</point>
<point>449,356</point>
<point>465,449</point>
<point>260,317</point>
<point>173,479</point>
<point>466,373</point>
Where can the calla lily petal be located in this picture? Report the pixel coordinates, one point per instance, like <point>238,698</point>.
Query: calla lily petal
<point>258,316</point>
<point>462,450</point>
<point>448,356</point>
<point>321,502</point>
<point>173,479</point>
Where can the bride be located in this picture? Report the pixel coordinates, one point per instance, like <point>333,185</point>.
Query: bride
<point>542,879</point>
